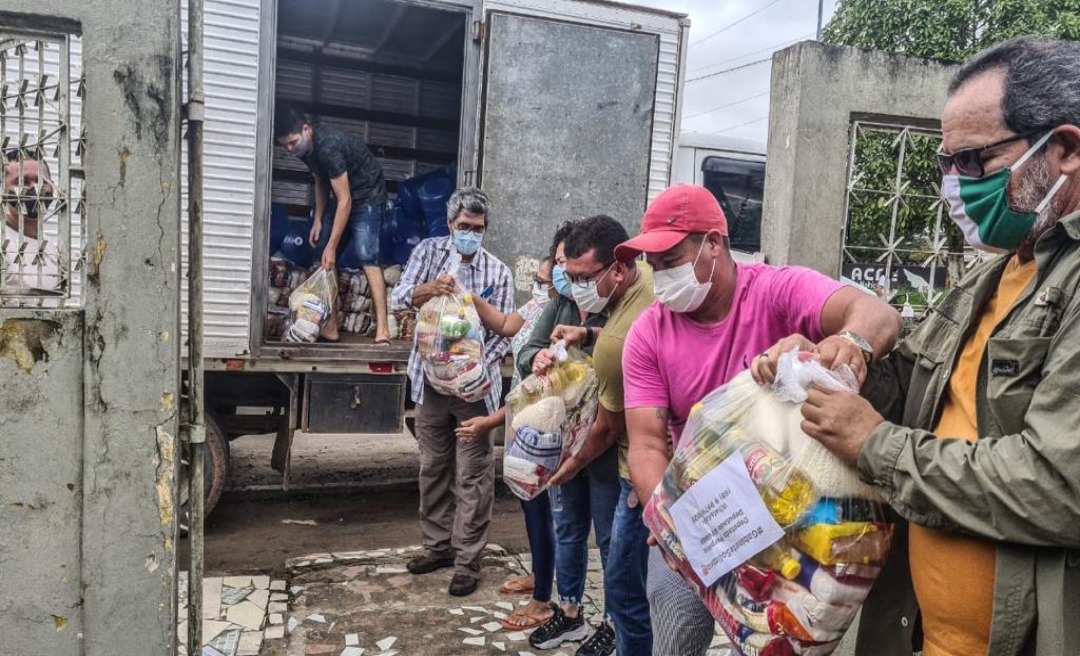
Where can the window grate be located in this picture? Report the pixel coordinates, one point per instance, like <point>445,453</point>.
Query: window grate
<point>898,238</point>
<point>41,191</point>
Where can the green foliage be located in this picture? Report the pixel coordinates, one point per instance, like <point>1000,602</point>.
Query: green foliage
<point>951,30</point>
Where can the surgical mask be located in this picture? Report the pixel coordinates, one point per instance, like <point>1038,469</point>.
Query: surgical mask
<point>467,242</point>
<point>561,282</point>
<point>588,298</point>
<point>540,293</point>
<point>679,288</point>
<point>980,206</point>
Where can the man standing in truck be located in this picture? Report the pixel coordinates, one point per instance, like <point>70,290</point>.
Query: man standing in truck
<point>350,193</point>
<point>457,477</point>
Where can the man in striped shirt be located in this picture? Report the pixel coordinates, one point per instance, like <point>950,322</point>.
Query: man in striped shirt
<point>457,479</point>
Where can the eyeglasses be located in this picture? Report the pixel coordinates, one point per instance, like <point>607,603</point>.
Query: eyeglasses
<point>969,161</point>
<point>582,282</point>
<point>479,231</point>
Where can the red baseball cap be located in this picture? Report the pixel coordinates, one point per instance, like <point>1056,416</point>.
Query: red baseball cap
<point>678,211</point>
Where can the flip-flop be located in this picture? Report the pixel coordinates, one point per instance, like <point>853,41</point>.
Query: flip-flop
<point>533,621</point>
<point>516,586</point>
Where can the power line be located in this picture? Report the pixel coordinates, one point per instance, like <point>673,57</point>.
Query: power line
<point>730,104</point>
<point>729,70</point>
<point>740,125</point>
<point>728,27</point>
<point>772,48</point>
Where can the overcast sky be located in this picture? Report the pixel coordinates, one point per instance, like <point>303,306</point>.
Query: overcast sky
<point>740,98</point>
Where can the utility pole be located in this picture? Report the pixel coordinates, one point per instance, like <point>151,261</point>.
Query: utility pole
<point>820,11</point>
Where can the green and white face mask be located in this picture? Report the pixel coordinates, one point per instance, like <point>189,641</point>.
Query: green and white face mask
<point>980,206</point>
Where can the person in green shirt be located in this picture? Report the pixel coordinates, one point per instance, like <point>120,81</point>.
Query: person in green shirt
<point>621,292</point>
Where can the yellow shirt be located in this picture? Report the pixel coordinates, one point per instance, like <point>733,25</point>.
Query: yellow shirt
<point>607,354</point>
<point>953,574</point>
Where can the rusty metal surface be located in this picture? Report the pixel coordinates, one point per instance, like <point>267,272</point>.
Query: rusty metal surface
<point>563,137</point>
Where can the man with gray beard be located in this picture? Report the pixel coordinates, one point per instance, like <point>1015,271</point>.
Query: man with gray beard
<point>968,429</point>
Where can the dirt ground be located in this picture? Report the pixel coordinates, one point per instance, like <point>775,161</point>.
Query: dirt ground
<point>249,534</point>
<point>359,490</point>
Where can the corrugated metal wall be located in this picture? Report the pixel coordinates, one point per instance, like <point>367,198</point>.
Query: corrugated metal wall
<point>665,114</point>
<point>232,66</point>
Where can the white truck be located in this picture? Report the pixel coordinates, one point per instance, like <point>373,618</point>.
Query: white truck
<point>557,108</point>
<point>733,169</point>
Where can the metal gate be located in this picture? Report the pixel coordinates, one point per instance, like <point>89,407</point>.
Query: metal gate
<point>898,238</point>
<point>89,325</point>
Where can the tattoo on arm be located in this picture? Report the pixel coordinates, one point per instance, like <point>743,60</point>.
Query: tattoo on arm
<point>662,414</point>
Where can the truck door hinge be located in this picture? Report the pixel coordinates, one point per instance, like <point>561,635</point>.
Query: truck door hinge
<point>479,30</point>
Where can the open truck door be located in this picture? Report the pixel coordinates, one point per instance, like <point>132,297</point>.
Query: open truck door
<point>567,129</point>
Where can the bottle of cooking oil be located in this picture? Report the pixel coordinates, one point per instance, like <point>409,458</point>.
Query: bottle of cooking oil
<point>787,492</point>
<point>567,373</point>
<point>778,558</point>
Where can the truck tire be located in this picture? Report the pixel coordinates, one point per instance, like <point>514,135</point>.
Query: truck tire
<point>215,472</point>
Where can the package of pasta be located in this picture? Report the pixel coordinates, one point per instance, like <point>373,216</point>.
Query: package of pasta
<point>450,340</point>
<point>779,537</point>
<point>311,305</point>
<point>548,417</point>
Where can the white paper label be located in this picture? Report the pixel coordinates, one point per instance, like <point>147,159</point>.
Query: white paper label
<point>722,521</point>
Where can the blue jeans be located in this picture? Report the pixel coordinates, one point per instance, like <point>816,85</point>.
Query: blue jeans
<point>624,581</point>
<point>539,526</point>
<point>588,498</point>
<point>359,245</point>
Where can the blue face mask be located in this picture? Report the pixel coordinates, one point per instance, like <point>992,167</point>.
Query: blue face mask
<point>467,243</point>
<point>561,282</point>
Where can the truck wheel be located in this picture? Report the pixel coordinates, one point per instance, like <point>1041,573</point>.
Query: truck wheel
<point>215,472</point>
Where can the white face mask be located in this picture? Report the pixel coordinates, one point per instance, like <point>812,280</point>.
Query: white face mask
<point>541,293</point>
<point>679,288</point>
<point>588,298</point>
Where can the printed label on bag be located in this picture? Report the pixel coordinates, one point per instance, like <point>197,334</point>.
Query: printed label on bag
<point>722,521</point>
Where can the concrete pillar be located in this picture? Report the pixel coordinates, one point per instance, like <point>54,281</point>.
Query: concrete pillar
<point>88,424</point>
<point>817,92</point>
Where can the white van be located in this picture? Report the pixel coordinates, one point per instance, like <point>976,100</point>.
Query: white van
<point>733,169</point>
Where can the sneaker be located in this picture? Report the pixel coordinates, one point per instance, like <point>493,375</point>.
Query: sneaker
<point>559,629</point>
<point>602,643</point>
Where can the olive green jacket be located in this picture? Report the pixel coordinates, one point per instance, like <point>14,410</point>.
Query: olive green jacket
<point>1018,485</point>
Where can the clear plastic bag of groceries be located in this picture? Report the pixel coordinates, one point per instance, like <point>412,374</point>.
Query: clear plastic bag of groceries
<point>311,305</point>
<point>779,537</point>
<point>450,339</point>
<point>548,417</point>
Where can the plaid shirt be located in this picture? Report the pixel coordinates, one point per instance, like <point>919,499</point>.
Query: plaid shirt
<point>428,261</point>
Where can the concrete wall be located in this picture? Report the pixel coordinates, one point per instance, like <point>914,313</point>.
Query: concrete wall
<point>817,91</point>
<point>88,397</point>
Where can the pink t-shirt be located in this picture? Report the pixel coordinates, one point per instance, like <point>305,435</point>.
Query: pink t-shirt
<point>671,361</point>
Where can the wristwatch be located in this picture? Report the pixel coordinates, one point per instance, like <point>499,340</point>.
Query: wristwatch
<point>590,338</point>
<point>859,341</point>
